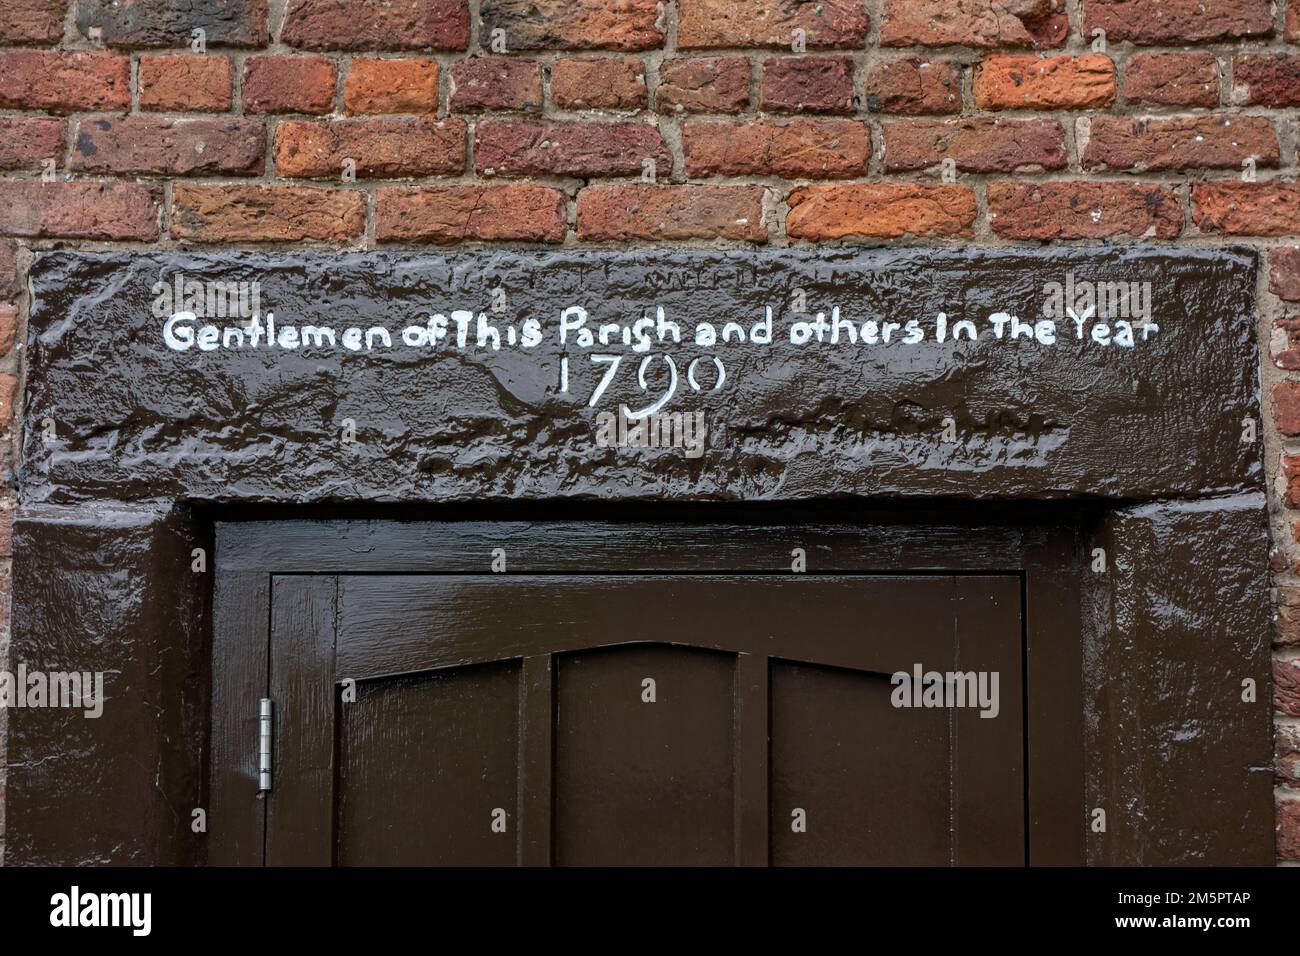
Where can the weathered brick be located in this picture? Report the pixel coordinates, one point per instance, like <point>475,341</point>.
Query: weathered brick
<point>1026,81</point>
<point>226,212</point>
<point>1289,476</point>
<point>177,147</point>
<point>794,149</point>
<point>1286,750</point>
<point>1265,208</point>
<point>167,23</point>
<point>977,23</point>
<point>1286,407</point>
<point>1286,688</point>
<point>27,141</point>
<point>642,212</point>
<point>1284,272</point>
<point>514,212</point>
<point>496,83</point>
<point>8,332</point>
<point>1210,142</point>
<point>61,81</point>
<point>1082,210</point>
<point>975,144</point>
<point>182,83</point>
<point>1171,22</point>
<point>879,211</point>
<point>78,210</point>
<point>703,84</point>
<point>762,23</point>
<point>1292,25</point>
<point>370,25</point>
<point>1172,79</point>
<point>914,86</point>
<point>523,148</point>
<point>598,83</point>
<point>8,402</point>
<point>391,86</point>
<point>1266,79</point>
<point>289,84</point>
<point>381,148</point>
<point>573,24</point>
<point>808,84</point>
<point>1288,830</point>
<point>1284,350</point>
<point>9,285</point>
<point>32,21</point>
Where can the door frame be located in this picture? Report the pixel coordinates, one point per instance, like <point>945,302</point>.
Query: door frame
<point>1047,557</point>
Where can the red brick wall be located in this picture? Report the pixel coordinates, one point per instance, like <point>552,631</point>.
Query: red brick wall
<point>695,121</point>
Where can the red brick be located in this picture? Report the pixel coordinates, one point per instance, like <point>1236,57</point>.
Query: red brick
<point>1211,142</point>
<point>627,25</point>
<point>78,210</point>
<point>598,83</point>
<point>168,23</point>
<point>32,21</point>
<point>1026,81</point>
<point>763,23</point>
<point>914,86</point>
<point>1267,79</point>
<point>808,84</point>
<point>1080,210</point>
<point>9,285</point>
<point>61,81</point>
<point>977,23</point>
<point>1288,830</point>
<point>1287,753</point>
<point>391,86</point>
<point>173,147</point>
<point>642,212</point>
<point>1173,22</point>
<point>975,144</point>
<point>382,148</point>
<point>879,211</point>
<point>1172,79</point>
<point>371,25</point>
<point>523,148</point>
<point>1284,350</point>
<point>1286,687</point>
<point>227,212</point>
<point>1286,407</point>
<point>8,331</point>
<point>1289,473</point>
<point>496,83</point>
<point>1292,27</point>
<point>27,141</point>
<point>1265,208</point>
<point>289,84</point>
<point>1284,272</point>
<point>514,212</point>
<point>793,149</point>
<point>8,401</point>
<point>703,84</point>
<point>180,83</point>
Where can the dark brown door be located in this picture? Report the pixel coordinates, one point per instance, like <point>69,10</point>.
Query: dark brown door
<point>667,719</point>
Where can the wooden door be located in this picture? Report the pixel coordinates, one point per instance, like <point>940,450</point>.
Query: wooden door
<point>711,719</point>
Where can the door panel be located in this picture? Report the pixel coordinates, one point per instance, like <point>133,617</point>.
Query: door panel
<point>643,781</point>
<point>427,764</point>
<point>522,701</point>
<point>872,780</point>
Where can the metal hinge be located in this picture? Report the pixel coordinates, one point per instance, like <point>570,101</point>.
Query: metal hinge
<point>264,733</point>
